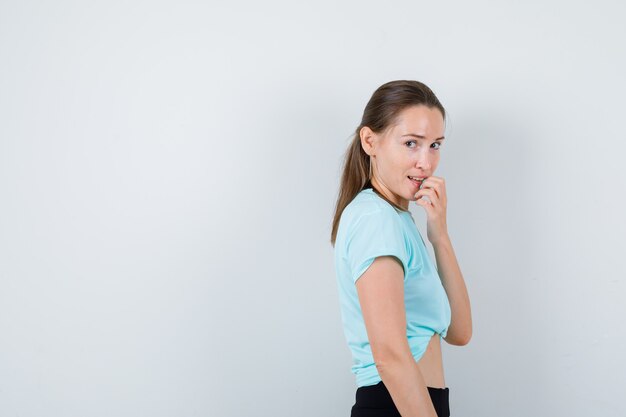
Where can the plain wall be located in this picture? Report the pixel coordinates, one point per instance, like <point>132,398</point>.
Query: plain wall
<point>169,170</point>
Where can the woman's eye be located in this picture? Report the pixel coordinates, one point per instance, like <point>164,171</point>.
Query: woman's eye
<point>434,143</point>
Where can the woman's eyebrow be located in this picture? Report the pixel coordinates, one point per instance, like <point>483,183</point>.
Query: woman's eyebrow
<point>421,137</point>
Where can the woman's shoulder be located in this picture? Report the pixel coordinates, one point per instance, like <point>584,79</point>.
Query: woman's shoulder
<point>368,218</point>
<point>367,202</point>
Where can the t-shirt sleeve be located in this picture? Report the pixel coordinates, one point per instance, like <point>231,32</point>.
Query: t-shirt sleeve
<point>378,233</point>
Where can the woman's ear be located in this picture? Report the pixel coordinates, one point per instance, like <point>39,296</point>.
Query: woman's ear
<point>368,140</point>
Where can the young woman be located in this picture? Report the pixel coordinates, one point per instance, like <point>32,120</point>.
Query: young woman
<point>395,304</point>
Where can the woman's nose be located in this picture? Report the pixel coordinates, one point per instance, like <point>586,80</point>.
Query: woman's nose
<point>423,162</point>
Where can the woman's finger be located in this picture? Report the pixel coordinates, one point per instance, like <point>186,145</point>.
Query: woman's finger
<point>438,185</point>
<point>431,194</point>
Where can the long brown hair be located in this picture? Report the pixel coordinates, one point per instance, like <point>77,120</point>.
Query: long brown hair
<point>379,114</point>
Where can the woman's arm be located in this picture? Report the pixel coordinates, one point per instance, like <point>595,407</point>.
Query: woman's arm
<point>381,295</point>
<point>460,330</point>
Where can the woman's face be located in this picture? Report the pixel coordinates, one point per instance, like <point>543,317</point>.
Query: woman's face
<point>409,148</point>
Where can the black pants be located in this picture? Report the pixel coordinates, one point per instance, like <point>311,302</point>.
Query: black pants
<point>375,401</point>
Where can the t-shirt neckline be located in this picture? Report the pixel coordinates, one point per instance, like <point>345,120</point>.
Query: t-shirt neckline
<point>371,191</point>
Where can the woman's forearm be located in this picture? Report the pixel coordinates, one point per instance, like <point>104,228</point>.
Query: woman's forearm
<point>407,387</point>
<point>460,330</point>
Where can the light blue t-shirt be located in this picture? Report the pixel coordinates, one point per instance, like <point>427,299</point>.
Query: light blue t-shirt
<point>370,227</point>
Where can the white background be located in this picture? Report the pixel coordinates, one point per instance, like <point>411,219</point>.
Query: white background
<point>168,174</point>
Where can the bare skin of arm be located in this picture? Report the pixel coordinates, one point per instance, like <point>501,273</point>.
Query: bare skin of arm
<point>460,330</point>
<point>381,295</point>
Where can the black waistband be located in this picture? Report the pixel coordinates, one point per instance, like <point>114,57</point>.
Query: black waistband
<point>377,396</point>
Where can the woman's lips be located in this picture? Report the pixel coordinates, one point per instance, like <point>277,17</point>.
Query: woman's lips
<point>416,183</point>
